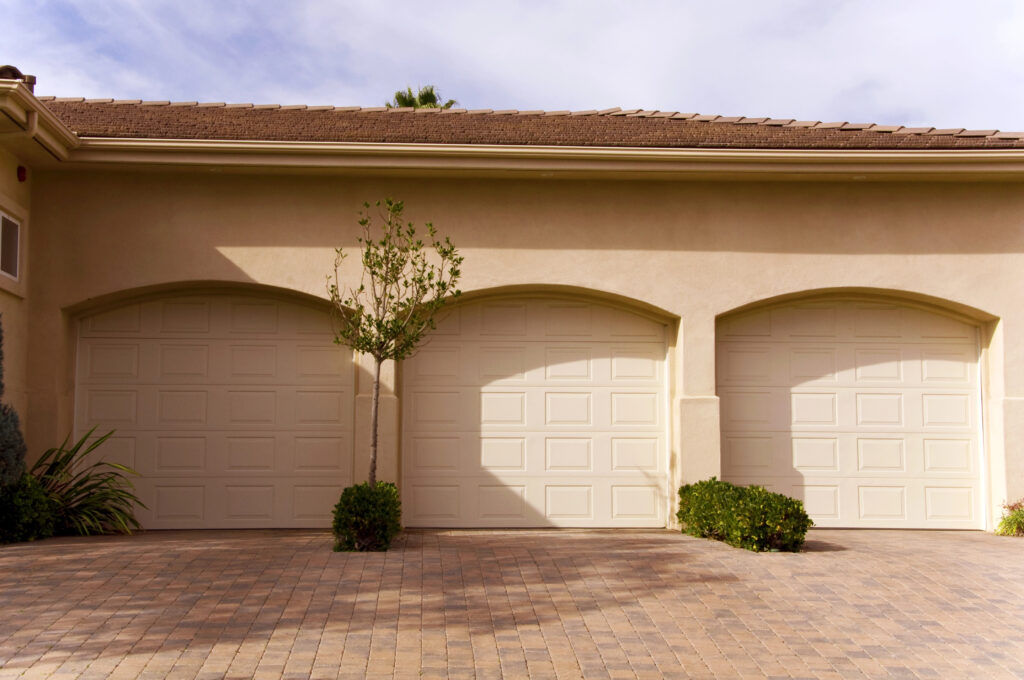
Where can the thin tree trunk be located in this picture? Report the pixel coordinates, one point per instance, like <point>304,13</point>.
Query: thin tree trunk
<point>374,410</point>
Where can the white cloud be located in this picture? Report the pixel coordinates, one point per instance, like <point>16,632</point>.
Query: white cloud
<point>912,62</point>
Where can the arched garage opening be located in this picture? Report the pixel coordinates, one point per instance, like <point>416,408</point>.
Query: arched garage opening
<point>866,407</point>
<point>535,409</point>
<point>232,403</point>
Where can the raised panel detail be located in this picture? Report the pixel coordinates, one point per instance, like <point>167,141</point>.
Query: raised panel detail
<point>756,324</point>
<point>250,453</point>
<point>253,317</point>
<point>567,364</point>
<point>438,363</point>
<point>947,455</point>
<point>185,317</point>
<point>249,361</point>
<point>502,363</point>
<point>634,453</point>
<point>111,407</point>
<point>249,501</point>
<point>503,319</point>
<point>745,455</point>
<point>435,407</point>
<point>502,408</point>
<point>177,407</point>
<point>747,364</point>
<point>814,409</point>
<point>319,453</point>
<point>812,322</point>
<point>319,407</point>
<point>179,502</point>
<point>434,453</point>
<point>322,362</point>
<point>436,502</point>
<point>877,322</point>
<point>122,320</point>
<point>113,361</point>
<point>569,502</point>
<point>816,453</point>
<point>635,502</point>
<point>502,501</point>
<point>812,364</point>
<point>820,501</point>
<point>944,367</point>
<point>634,409</point>
<point>567,408</point>
<point>879,365</point>
<point>951,503</point>
<point>880,455</point>
<point>882,502</point>
<point>252,407</point>
<point>180,453</point>
<point>634,365</point>
<point>314,501</point>
<point>568,454</point>
<point>747,407</point>
<point>504,453</point>
<point>184,361</point>
<point>944,410</point>
<point>567,320</point>
<point>879,409</point>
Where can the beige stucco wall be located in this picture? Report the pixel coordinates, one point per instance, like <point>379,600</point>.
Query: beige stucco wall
<point>14,200</point>
<point>693,250</point>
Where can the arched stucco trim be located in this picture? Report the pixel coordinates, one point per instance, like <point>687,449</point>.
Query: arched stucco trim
<point>931,303</point>
<point>565,292</point>
<point>120,298</point>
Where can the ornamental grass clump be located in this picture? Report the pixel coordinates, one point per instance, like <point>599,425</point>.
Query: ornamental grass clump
<point>749,517</point>
<point>87,498</point>
<point>1012,522</point>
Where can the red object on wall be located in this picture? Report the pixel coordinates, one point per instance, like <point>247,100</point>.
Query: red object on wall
<point>22,173</point>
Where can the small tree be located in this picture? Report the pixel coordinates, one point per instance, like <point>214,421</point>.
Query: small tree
<point>12,444</point>
<point>399,293</point>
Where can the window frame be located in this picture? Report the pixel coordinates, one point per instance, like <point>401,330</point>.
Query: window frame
<point>18,224</point>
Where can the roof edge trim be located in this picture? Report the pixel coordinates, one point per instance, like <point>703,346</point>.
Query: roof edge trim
<point>462,157</point>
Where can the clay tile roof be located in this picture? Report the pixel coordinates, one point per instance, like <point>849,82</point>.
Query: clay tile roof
<point>613,127</point>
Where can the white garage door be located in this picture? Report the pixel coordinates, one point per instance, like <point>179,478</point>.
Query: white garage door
<point>236,410</point>
<point>866,411</point>
<point>539,412</point>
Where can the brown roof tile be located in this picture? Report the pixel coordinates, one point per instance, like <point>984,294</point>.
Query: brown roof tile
<point>611,127</point>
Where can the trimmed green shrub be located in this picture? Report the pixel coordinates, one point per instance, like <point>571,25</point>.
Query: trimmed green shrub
<point>25,511</point>
<point>748,517</point>
<point>367,517</point>
<point>12,444</point>
<point>1012,523</point>
<point>88,498</point>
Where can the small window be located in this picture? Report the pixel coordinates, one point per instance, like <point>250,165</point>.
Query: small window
<point>9,236</point>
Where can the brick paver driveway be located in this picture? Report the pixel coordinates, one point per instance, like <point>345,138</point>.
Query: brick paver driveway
<point>514,604</point>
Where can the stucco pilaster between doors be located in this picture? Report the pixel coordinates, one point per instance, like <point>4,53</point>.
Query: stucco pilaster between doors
<point>387,444</point>
<point>695,420</point>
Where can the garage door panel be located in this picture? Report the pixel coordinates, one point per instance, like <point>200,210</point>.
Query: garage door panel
<point>531,420</point>
<point>236,410</point>
<point>877,426</point>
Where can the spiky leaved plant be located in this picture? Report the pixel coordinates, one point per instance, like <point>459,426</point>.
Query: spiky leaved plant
<point>12,444</point>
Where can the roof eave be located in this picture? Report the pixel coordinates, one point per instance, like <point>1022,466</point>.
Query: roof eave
<point>37,134</point>
<point>568,161</point>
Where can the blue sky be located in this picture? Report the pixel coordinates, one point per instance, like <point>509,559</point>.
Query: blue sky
<point>947,64</point>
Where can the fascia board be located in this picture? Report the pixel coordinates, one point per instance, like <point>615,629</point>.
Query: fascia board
<point>425,158</point>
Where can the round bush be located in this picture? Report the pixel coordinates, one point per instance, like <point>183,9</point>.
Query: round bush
<point>26,512</point>
<point>367,518</point>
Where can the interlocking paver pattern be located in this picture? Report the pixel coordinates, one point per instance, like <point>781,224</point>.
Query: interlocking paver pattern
<point>514,604</point>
